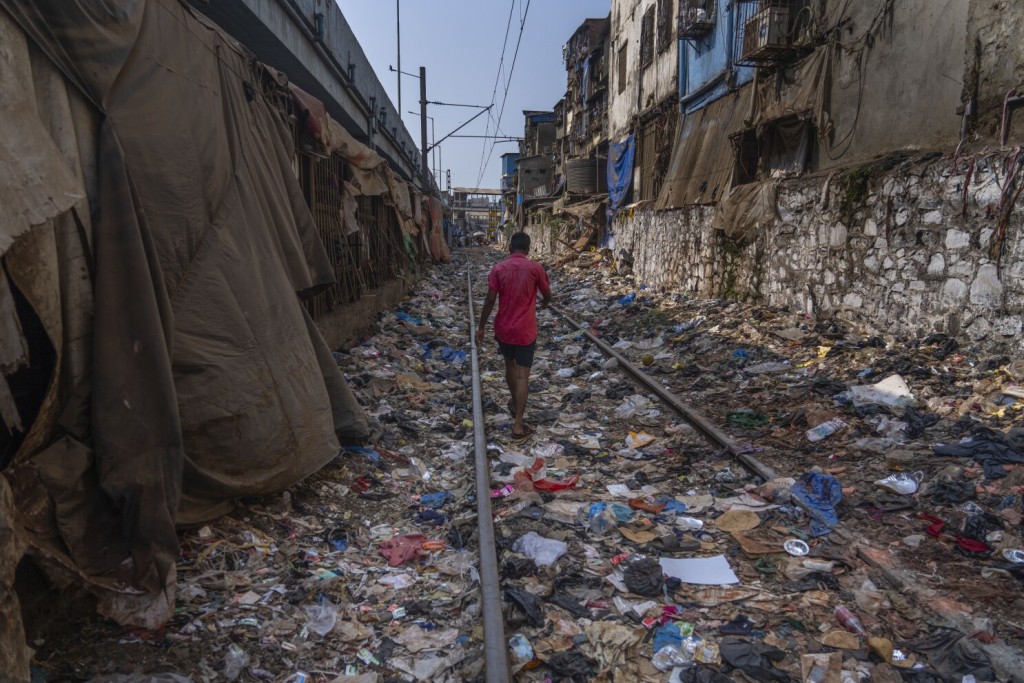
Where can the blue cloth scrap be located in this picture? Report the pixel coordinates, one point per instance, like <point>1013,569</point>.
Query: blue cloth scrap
<point>623,513</point>
<point>820,494</point>
<point>672,505</point>
<point>373,455</point>
<point>668,635</point>
<point>406,318</point>
<point>436,500</point>
<point>628,299</point>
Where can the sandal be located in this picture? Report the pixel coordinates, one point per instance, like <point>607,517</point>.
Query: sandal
<point>526,434</point>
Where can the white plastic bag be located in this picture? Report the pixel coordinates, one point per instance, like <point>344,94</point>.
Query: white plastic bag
<point>543,551</point>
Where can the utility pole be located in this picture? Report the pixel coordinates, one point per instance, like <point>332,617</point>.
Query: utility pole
<point>398,31</point>
<point>425,163</point>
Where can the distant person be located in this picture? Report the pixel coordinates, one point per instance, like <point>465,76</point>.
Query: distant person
<point>515,282</point>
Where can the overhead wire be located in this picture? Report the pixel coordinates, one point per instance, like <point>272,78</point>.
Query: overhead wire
<point>508,82</point>
<point>494,92</point>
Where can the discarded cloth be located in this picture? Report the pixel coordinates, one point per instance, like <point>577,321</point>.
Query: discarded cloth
<point>990,453</point>
<point>820,494</point>
<point>401,549</point>
<point>754,659</point>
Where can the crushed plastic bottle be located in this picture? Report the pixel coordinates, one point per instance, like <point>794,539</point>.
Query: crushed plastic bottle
<point>235,661</point>
<point>689,523</point>
<point>825,430</point>
<point>522,650</point>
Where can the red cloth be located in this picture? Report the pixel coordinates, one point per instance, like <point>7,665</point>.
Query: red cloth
<point>516,280</point>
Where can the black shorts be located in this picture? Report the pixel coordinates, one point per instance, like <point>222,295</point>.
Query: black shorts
<point>522,354</point>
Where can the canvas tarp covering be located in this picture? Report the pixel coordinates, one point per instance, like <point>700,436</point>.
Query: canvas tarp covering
<point>208,379</point>
<point>700,171</point>
<point>804,89</point>
<point>745,209</point>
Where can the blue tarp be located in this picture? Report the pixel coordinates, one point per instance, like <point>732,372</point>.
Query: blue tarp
<point>620,173</point>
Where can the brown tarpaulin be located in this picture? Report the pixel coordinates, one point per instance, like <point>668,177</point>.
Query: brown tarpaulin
<point>745,209</point>
<point>806,88</point>
<point>702,158</point>
<point>209,381</point>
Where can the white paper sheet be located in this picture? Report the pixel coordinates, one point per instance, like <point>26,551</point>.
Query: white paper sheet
<point>712,571</point>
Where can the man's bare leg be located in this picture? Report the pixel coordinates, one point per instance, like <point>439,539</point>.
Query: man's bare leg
<point>510,380</point>
<point>522,391</point>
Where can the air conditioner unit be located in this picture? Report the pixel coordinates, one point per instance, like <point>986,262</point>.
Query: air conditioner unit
<point>766,35</point>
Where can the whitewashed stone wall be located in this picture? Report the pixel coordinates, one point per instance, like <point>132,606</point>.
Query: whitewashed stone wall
<point>901,259</point>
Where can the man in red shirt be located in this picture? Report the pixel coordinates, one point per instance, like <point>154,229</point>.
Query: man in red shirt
<point>515,282</point>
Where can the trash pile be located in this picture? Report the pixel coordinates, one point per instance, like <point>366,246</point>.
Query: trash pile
<point>631,547</point>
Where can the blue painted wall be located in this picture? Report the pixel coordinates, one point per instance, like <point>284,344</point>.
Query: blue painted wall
<point>708,59</point>
<point>508,163</point>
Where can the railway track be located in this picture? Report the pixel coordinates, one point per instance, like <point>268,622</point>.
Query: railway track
<point>496,646</point>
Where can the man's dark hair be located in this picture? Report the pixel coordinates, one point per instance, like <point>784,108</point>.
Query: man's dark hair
<point>519,241</point>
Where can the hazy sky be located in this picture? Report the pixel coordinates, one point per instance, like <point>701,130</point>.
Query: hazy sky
<point>460,44</point>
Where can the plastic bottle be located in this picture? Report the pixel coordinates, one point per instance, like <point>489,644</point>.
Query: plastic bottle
<point>235,660</point>
<point>850,621</point>
<point>689,523</point>
<point>596,518</point>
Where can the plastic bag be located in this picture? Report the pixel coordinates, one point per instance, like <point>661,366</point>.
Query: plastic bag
<point>643,575</point>
<point>669,657</point>
<point>631,406</point>
<point>543,551</point>
<point>320,619</point>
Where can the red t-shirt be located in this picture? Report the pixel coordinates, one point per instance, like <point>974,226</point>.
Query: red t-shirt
<point>516,280</point>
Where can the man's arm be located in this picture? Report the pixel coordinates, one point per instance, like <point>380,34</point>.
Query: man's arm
<point>485,313</point>
<point>545,299</point>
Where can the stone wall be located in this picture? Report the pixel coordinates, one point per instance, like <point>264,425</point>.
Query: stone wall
<point>889,249</point>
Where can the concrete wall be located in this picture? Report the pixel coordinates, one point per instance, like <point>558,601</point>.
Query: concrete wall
<point>644,87</point>
<point>995,61</point>
<point>902,90</point>
<point>897,255</point>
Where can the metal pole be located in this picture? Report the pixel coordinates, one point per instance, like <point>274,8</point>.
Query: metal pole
<point>398,32</point>
<point>423,130</point>
<point>433,155</point>
<point>496,668</point>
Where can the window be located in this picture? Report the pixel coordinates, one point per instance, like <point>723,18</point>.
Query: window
<point>647,38</point>
<point>622,67</point>
<point>664,24</point>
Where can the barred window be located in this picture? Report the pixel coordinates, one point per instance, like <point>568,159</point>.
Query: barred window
<point>665,14</point>
<point>647,38</point>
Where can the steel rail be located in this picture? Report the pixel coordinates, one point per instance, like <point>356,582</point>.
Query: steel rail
<point>689,414</point>
<point>496,667</point>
